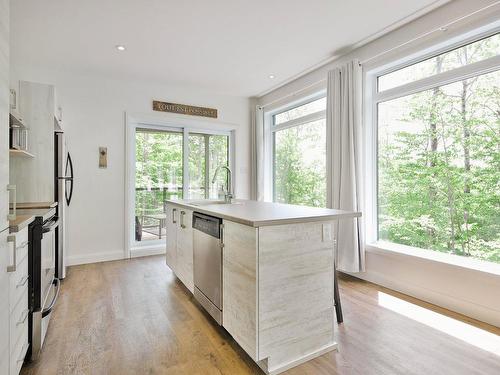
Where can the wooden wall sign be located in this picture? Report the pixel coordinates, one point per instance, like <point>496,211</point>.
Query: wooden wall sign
<point>184,109</point>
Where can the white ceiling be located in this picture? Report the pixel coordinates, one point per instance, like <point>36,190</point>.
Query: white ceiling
<point>228,46</point>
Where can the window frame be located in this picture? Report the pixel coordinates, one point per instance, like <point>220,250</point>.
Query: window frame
<point>271,129</point>
<point>373,98</point>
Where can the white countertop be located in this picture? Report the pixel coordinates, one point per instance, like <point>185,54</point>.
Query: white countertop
<point>257,214</point>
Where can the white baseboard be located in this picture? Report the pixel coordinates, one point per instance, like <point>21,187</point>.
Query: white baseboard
<point>434,296</point>
<point>147,251</point>
<point>74,260</point>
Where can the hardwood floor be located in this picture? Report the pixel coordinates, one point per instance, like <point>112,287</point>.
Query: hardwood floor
<point>135,317</point>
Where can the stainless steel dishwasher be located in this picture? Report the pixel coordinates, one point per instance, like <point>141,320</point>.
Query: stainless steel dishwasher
<point>207,263</point>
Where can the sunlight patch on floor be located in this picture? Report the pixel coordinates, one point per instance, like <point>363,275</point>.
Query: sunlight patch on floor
<point>472,335</point>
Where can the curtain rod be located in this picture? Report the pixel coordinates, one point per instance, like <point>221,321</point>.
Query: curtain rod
<point>440,28</point>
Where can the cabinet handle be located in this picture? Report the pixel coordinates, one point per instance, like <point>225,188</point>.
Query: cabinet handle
<point>12,268</point>
<point>174,210</point>
<point>24,316</point>
<point>182,219</point>
<point>221,235</point>
<point>12,188</point>
<point>23,281</point>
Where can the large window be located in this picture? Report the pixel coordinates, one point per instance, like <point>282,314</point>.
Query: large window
<point>299,154</point>
<point>206,153</point>
<point>439,152</point>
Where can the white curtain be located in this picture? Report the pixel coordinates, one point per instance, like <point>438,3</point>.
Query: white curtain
<point>257,149</point>
<point>344,124</point>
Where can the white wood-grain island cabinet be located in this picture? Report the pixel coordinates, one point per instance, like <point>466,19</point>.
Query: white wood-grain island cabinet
<point>179,252</point>
<point>277,271</point>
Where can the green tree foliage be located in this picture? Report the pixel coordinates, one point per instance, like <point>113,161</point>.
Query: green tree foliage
<point>159,167</point>
<point>300,169</point>
<point>439,164</point>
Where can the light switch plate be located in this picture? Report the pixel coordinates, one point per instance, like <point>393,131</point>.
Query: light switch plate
<point>103,157</point>
<point>327,232</point>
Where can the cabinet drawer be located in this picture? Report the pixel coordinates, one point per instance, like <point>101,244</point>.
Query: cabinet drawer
<point>19,352</point>
<point>18,283</point>
<point>21,236</point>
<point>19,321</point>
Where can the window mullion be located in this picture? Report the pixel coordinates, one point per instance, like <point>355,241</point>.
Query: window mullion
<point>481,67</point>
<point>185,163</point>
<point>300,121</point>
<point>207,166</point>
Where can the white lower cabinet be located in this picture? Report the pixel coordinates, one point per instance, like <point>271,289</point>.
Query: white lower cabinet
<point>171,237</point>
<point>179,254</point>
<point>18,300</point>
<point>5,250</point>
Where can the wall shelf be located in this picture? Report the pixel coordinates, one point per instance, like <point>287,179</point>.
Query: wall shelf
<point>21,153</point>
<point>16,121</point>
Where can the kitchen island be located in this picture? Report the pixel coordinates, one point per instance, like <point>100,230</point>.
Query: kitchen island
<point>277,275</point>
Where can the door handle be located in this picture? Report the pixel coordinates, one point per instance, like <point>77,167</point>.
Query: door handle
<point>13,189</point>
<point>12,267</point>
<point>174,210</point>
<point>182,219</point>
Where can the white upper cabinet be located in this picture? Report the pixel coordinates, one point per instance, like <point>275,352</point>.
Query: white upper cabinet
<point>34,177</point>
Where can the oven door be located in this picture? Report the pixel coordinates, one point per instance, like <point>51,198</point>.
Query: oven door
<point>49,287</point>
<point>48,258</point>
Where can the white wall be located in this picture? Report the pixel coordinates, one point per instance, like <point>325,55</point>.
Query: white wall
<point>467,291</point>
<point>4,119</point>
<point>94,110</point>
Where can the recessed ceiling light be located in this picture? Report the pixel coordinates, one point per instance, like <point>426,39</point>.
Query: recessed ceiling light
<point>443,28</point>
<point>271,76</point>
<point>119,47</point>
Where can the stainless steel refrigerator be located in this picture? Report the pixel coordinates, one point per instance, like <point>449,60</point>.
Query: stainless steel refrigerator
<point>62,195</point>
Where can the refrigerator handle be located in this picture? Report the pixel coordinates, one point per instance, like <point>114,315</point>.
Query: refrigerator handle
<point>12,189</point>
<point>71,179</point>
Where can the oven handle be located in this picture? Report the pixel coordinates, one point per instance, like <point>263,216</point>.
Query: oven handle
<point>48,310</point>
<point>49,228</point>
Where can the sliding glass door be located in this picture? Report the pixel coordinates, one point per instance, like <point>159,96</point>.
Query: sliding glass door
<point>158,176</point>
<point>207,152</point>
<point>167,168</point>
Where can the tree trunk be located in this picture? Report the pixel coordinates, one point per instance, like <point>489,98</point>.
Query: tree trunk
<point>433,141</point>
<point>466,151</point>
<point>451,200</point>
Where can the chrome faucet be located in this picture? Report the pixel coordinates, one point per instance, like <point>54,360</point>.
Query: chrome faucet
<point>228,194</point>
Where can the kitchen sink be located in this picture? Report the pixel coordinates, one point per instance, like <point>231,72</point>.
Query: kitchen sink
<point>210,202</point>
